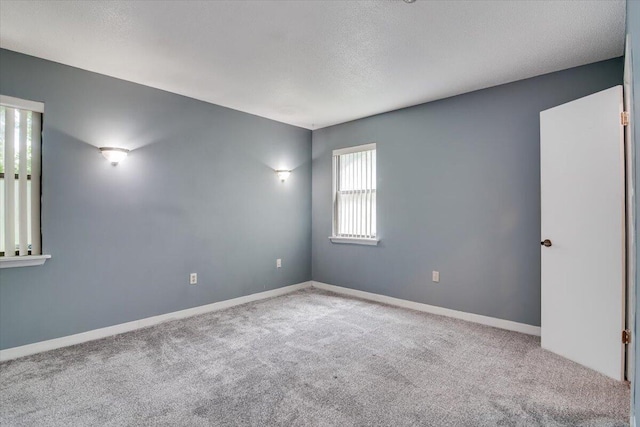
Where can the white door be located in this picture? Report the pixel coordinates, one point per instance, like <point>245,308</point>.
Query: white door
<point>583,210</point>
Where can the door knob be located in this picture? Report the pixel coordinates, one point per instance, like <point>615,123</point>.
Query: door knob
<point>546,242</point>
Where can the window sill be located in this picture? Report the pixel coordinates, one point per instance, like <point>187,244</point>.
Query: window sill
<point>23,261</point>
<point>354,241</point>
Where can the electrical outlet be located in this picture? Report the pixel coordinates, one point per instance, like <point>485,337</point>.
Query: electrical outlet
<point>279,263</point>
<point>193,278</point>
<point>435,276</point>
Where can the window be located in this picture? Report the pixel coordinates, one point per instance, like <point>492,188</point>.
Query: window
<point>354,195</point>
<point>20,141</point>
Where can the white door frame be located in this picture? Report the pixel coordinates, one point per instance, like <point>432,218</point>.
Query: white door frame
<point>631,231</point>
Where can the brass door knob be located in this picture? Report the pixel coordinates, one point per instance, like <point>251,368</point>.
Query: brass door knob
<point>546,242</point>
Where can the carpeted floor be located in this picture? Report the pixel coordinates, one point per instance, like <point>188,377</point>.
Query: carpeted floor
<point>310,358</point>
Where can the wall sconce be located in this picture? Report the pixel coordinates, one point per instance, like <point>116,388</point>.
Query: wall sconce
<point>114,155</point>
<point>283,174</point>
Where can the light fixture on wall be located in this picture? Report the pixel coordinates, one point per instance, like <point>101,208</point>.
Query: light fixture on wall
<point>113,154</point>
<point>283,174</point>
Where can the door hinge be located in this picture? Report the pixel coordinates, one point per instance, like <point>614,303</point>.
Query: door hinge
<point>626,336</point>
<point>624,118</point>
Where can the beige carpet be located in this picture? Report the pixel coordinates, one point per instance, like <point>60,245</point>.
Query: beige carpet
<point>310,358</point>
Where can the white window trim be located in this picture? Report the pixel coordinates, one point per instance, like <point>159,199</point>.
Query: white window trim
<point>22,104</point>
<point>354,241</point>
<point>357,148</point>
<point>23,261</point>
<point>341,239</point>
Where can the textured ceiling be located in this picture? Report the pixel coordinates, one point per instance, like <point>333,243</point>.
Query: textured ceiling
<point>316,63</point>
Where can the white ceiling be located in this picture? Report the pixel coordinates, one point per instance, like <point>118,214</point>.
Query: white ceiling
<point>316,63</point>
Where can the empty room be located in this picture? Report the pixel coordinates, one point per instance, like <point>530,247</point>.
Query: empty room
<point>319,213</point>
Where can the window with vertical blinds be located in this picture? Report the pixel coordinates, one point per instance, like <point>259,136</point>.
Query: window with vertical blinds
<point>354,195</point>
<point>20,142</point>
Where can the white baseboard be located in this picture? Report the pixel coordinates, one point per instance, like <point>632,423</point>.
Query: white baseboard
<point>470,317</point>
<point>26,350</point>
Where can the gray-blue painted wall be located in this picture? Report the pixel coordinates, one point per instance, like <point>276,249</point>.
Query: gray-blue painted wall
<point>633,30</point>
<point>458,185</point>
<point>197,194</point>
<point>458,192</point>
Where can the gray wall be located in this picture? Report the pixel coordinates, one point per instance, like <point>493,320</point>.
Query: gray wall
<point>198,194</point>
<point>458,185</point>
<point>633,30</point>
<point>458,192</point>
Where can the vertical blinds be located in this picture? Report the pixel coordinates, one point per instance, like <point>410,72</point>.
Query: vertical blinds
<point>355,192</point>
<point>20,144</point>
